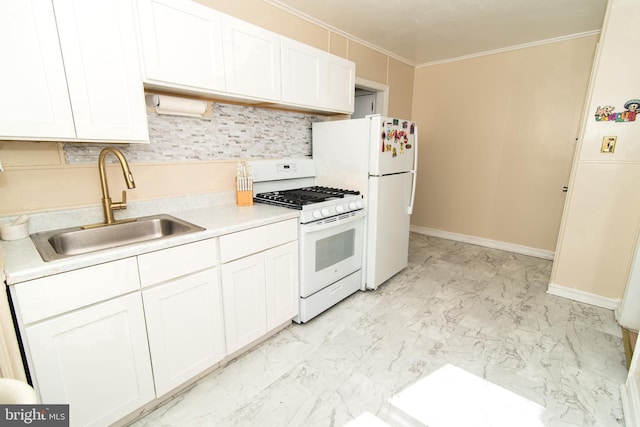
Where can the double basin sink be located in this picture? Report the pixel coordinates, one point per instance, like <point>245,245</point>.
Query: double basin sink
<point>64,243</point>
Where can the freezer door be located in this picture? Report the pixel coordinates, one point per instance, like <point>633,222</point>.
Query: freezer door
<point>392,145</point>
<point>387,227</point>
<point>341,153</point>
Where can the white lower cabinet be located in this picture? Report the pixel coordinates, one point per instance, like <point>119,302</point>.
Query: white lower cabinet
<point>244,295</point>
<point>94,359</point>
<point>281,272</point>
<point>110,338</point>
<point>185,327</point>
<point>259,281</point>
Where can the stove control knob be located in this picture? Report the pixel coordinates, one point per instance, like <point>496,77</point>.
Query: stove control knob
<point>359,204</point>
<point>325,212</point>
<point>339,208</point>
<point>352,206</point>
<point>317,214</point>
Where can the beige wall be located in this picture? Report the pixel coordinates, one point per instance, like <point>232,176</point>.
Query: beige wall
<point>370,64</point>
<point>400,79</point>
<point>602,217</point>
<point>45,182</point>
<point>497,138</point>
<point>36,177</point>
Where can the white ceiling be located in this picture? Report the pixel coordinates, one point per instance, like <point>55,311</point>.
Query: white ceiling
<point>425,31</point>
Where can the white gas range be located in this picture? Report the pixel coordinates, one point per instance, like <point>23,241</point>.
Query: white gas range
<point>331,231</point>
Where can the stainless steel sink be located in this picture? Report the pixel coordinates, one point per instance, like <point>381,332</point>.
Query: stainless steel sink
<point>57,244</point>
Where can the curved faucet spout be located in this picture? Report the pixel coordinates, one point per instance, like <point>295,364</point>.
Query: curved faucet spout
<point>107,205</point>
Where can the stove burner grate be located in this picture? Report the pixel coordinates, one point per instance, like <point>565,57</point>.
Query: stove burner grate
<point>299,197</point>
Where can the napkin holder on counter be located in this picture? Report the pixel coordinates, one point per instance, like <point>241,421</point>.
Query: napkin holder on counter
<point>18,229</point>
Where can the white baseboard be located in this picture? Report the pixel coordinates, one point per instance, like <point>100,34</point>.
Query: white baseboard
<point>581,296</point>
<point>494,244</point>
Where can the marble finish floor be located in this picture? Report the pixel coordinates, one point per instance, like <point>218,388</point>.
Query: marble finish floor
<point>465,336</point>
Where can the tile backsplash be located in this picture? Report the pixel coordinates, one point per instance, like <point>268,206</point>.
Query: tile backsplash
<point>232,132</point>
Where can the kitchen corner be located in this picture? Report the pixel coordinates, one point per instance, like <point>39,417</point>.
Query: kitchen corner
<point>126,308</point>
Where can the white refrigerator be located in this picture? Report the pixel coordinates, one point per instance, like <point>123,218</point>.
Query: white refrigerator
<point>377,156</point>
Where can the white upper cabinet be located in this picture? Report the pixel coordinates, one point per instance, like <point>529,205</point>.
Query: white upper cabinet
<point>252,60</point>
<point>101,62</point>
<point>341,80</point>
<point>191,48</point>
<point>313,78</point>
<point>35,101</point>
<point>74,71</point>
<point>302,73</point>
<point>181,44</point>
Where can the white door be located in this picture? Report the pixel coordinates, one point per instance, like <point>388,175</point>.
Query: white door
<point>281,268</point>
<point>95,359</point>
<point>387,227</point>
<point>35,101</point>
<point>252,60</point>
<point>185,327</point>
<point>364,106</point>
<point>392,145</point>
<point>628,313</point>
<point>181,44</point>
<point>244,298</point>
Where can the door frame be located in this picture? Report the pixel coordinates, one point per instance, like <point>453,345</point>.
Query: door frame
<point>382,94</point>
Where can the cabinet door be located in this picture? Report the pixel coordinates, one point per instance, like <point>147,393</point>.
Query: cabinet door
<point>95,359</point>
<point>35,102</point>
<point>243,294</point>
<point>252,60</point>
<point>317,79</point>
<point>340,89</point>
<point>302,74</point>
<point>97,39</point>
<point>185,326</point>
<point>281,265</point>
<point>181,44</point>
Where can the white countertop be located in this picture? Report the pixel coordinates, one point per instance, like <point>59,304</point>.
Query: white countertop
<point>21,261</point>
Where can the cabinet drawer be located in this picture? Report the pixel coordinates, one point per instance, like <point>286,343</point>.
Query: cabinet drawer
<point>53,295</point>
<point>167,264</point>
<point>247,242</point>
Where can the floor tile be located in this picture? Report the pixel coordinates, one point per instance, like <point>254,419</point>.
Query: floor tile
<point>463,333</point>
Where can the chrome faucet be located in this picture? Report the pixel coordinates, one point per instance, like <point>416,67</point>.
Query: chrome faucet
<point>107,205</point>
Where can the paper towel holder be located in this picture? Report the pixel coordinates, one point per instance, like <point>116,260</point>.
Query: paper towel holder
<point>176,106</point>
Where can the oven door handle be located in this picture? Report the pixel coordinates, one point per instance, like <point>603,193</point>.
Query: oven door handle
<point>309,228</point>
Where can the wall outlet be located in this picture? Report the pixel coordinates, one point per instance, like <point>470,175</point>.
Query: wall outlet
<point>608,144</point>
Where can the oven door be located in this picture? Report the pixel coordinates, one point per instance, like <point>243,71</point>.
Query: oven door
<point>330,249</point>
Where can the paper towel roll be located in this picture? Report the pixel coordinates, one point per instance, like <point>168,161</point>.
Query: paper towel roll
<point>177,106</point>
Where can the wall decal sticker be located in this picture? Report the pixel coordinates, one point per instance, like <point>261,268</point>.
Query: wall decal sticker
<point>607,113</point>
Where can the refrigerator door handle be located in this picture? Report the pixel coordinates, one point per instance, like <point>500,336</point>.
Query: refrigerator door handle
<point>414,172</point>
